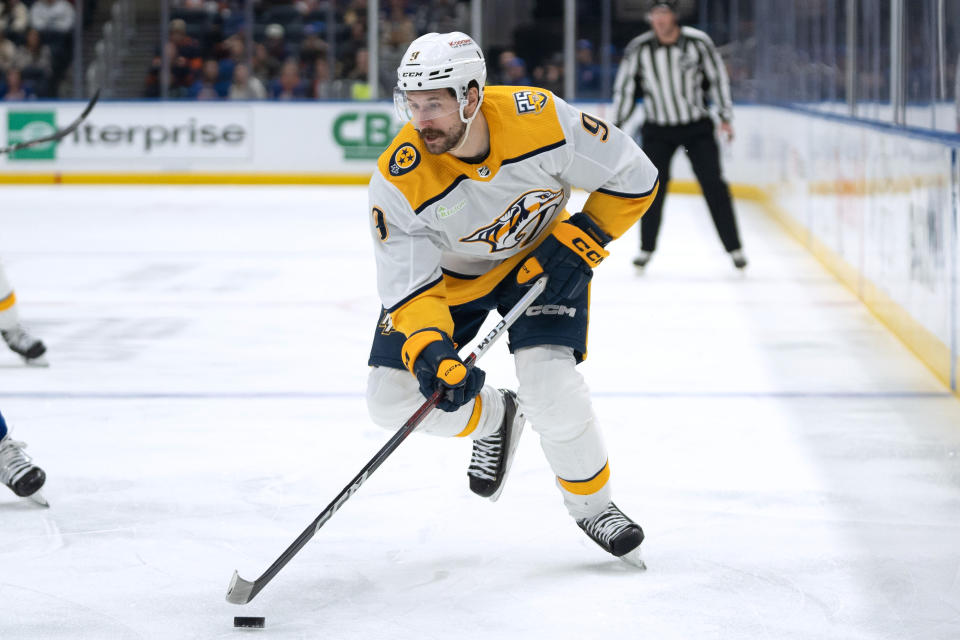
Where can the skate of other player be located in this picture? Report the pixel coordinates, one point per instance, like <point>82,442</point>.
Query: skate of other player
<point>17,470</point>
<point>28,347</point>
<point>466,208</point>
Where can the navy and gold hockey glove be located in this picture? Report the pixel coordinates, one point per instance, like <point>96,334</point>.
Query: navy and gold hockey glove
<point>568,256</point>
<point>430,355</point>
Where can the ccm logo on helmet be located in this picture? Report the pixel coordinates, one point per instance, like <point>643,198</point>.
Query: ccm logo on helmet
<point>411,74</point>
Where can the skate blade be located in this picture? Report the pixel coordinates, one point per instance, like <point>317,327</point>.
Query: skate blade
<point>514,443</point>
<point>40,362</point>
<point>635,559</point>
<point>39,499</point>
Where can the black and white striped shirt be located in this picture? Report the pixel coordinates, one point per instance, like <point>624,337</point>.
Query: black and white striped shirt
<point>674,79</point>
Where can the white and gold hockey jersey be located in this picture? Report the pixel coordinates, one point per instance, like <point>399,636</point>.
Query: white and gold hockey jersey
<point>447,231</point>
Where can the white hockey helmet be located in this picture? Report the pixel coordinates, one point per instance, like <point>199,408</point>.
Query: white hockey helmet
<point>440,61</point>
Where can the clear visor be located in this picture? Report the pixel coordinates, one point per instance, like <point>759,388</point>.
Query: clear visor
<point>422,108</point>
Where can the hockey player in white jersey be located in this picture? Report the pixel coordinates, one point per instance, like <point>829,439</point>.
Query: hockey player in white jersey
<point>20,342</point>
<point>17,471</point>
<point>466,208</point>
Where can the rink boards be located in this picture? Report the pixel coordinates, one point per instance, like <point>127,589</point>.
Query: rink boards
<point>876,204</point>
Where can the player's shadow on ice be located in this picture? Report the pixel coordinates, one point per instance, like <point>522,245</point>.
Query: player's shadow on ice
<point>21,504</point>
<point>612,567</point>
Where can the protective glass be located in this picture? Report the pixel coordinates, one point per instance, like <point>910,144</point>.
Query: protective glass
<point>421,109</point>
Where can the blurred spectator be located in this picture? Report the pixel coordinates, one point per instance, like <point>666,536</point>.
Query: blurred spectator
<point>398,30</point>
<point>516,72</point>
<point>183,45</point>
<point>264,67</point>
<point>34,55</point>
<point>348,50</point>
<point>230,52</point>
<point>15,89</point>
<point>14,16</point>
<point>588,72</point>
<point>181,75</point>
<point>504,60</point>
<point>360,67</point>
<point>550,75</point>
<point>275,45</point>
<point>312,47</point>
<point>321,86</point>
<point>234,48</point>
<point>359,87</point>
<point>185,62</point>
<point>209,86</point>
<point>290,86</point>
<point>245,86</point>
<point>52,15</point>
<point>8,52</point>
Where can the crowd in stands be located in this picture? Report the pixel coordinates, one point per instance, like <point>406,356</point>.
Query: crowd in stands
<point>36,46</point>
<point>298,55</point>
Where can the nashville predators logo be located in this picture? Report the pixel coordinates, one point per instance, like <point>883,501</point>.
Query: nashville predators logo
<point>405,159</point>
<point>386,323</point>
<point>521,222</point>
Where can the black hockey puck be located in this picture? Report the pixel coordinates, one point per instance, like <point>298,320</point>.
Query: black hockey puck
<point>249,622</point>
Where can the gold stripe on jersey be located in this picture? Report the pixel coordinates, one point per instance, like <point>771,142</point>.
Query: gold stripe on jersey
<point>616,212</point>
<point>588,486</point>
<point>8,302</point>
<point>429,308</point>
<point>514,136</point>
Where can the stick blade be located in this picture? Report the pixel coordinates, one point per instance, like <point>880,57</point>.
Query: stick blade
<point>240,591</point>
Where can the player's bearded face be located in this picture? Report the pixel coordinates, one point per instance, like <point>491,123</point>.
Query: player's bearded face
<point>439,140</point>
<point>436,116</point>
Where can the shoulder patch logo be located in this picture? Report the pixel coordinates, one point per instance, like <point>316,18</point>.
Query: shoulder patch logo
<point>529,101</point>
<point>521,222</point>
<point>405,159</point>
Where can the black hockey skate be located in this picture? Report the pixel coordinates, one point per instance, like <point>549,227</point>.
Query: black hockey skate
<point>17,471</point>
<point>616,533</point>
<point>640,262</point>
<point>493,455</point>
<point>29,348</point>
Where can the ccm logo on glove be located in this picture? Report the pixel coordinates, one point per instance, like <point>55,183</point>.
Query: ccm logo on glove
<point>432,358</point>
<point>568,256</point>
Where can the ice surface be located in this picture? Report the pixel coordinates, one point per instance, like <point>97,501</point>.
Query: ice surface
<point>793,465</point>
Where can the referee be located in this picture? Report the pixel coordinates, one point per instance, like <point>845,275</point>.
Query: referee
<point>676,67</point>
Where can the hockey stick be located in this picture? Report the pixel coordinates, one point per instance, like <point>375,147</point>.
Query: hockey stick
<point>243,591</point>
<point>58,134</point>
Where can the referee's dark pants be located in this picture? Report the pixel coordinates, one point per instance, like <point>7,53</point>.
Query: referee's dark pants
<point>660,143</point>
